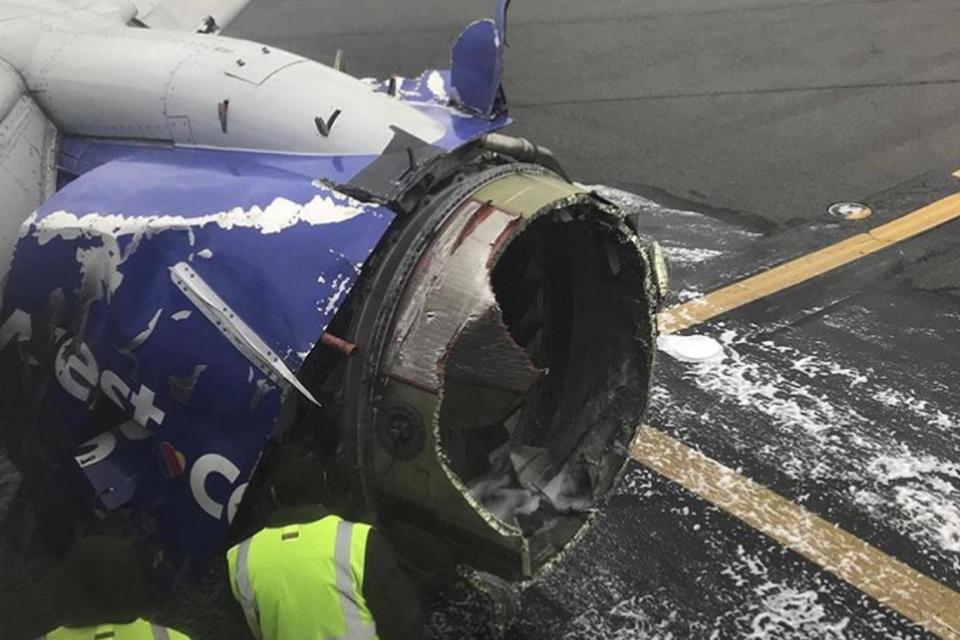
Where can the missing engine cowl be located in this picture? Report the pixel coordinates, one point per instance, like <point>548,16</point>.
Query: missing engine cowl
<point>513,370</point>
<point>570,298</point>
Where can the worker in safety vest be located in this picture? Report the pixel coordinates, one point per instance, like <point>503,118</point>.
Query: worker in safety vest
<point>311,575</point>
<point>104,595</point>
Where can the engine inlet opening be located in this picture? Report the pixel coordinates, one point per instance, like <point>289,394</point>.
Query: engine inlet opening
<point>537,422</point>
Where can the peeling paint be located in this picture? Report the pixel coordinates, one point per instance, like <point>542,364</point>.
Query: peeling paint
<point>438,86</point>
<point>278,215</point>
<point>144,335</point>
<point>262,387</point>
<point>181,389</point>
<point>100,269</point>
<point>342,285</point>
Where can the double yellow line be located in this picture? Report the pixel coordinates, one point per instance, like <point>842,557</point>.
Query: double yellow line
<point>932,605</point>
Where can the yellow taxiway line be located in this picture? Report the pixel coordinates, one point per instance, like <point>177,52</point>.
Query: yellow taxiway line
<point>923,600</point>
<point>794,272</point>
<point>928,603</point>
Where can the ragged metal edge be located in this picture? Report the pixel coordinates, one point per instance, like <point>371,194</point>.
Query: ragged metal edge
<point>245,339</point>
<point>498,525</point>
<point>654,283</point>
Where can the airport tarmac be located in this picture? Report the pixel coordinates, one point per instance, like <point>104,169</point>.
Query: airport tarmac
<point>833,382</point>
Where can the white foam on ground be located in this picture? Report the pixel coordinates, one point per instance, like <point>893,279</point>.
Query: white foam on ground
<point>815,428</point>
<point>763,599</point>
<point>691,348</point>
<point>786,612</point>
<point>628,619</point>
<point>926,490</point>
<point>689,255</point>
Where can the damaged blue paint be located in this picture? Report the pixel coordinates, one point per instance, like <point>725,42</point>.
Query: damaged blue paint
<point>433,94</point>
<point>145,274</point>
<point>162,301</point>
<point>476,66</point>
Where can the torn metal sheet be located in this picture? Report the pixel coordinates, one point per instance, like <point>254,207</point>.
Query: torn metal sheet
<point>174,284</point>
<point>433,94</point>
<point>425,332</point>
<point>477,67</point>
<point>384,178</point>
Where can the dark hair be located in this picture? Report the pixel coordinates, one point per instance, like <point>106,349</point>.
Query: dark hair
<point>102,582</point>
<point>297,475</point>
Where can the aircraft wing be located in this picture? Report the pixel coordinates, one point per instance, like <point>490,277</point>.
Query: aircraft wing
<point>189,15</point>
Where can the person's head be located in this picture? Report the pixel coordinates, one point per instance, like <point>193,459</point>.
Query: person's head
<point>296,475</point>
<point>102,582</point>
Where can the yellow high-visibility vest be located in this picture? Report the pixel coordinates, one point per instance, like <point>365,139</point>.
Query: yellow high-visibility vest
<point>137,630</point>
<point>304,581</point>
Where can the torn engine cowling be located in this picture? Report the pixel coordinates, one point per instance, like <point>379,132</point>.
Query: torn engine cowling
<point>506,342</point>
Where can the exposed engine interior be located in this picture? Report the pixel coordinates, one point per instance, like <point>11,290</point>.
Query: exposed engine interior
<point>506,351</point>
<point>572,297</point>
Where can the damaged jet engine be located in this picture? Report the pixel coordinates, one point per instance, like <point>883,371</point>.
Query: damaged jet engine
<point>233,246</point>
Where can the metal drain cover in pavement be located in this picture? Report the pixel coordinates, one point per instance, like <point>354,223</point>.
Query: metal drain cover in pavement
<point>850,210</point>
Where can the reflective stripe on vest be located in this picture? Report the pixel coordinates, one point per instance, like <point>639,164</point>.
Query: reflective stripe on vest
<point>134,631</point>
<point>356,629</point>
<point>347,562</point>
<point>245,589</point>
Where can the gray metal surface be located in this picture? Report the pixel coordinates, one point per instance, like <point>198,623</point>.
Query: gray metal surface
<point>93,75</point>
<point>27,159</point>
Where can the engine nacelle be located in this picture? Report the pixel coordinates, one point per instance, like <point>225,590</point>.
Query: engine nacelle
<point>506,343</point>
